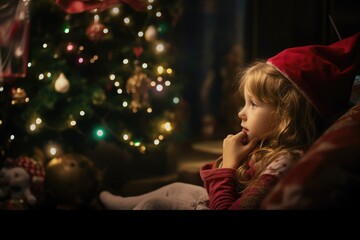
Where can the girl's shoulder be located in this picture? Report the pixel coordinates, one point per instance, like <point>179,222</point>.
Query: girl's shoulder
<point>283,163</point>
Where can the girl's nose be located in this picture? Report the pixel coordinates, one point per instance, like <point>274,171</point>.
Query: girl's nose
<point>242,115</point>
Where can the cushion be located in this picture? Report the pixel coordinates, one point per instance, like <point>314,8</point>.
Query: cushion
<point>328,175</point>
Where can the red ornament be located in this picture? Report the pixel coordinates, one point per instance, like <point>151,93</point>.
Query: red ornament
<point>95,32</point>
<point>78,6</point>
<point>138,51</point>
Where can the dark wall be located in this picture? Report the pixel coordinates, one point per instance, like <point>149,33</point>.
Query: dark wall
<point>278,24</point>
<point>275,25</point>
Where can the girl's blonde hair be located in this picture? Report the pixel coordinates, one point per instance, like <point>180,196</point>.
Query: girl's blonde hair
<point>296,124</point>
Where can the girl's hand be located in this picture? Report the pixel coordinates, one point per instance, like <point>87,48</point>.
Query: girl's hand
<point>236,149</point>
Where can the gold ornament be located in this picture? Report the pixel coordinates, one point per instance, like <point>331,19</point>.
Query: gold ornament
<point>18,96</point>
<point>71,180</point>
<point>138,86</point>
<point>95,31</point>
<point>98,97</point>
<point>62,84</point>
<point>150,33</point>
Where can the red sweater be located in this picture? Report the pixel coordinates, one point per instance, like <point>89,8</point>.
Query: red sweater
<point>222,188</point>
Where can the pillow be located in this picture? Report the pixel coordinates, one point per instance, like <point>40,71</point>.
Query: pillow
<point>328,175</point>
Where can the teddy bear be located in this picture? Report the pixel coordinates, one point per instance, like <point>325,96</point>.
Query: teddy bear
<point>18,178</point>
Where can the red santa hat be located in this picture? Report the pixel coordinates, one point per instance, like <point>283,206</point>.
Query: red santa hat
<point>323,74</point>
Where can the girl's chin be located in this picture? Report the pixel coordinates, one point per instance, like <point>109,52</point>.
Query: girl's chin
<point>249,137</point>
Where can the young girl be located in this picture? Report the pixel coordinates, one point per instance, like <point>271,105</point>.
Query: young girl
<point>283,115</point>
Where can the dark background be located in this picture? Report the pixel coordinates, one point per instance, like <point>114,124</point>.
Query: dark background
<point>215,37</point>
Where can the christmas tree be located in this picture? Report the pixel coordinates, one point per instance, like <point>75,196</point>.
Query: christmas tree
<point>95,71</point>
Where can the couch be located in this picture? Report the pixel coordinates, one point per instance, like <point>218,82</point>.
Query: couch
<point>328,175</point>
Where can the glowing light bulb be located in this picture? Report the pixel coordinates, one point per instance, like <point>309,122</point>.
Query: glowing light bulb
<point>167,126</point>
<point>99,133</point>
<point>126,137</point>
<point>69,47</point>
<point>115,11</point>
<point>160,69</point>
<point>176,100</point>
<point>160,48</point>
<point>52,151</point>
<point>38,121</point>
<point>159,88</point>
<point>32,127</point>
<point>112,77</point>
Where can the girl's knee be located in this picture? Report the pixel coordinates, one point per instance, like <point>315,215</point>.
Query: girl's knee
<point>178,184</point>
<point>153,203</point>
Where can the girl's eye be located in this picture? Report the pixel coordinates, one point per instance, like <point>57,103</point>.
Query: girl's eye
<point>252,104</point>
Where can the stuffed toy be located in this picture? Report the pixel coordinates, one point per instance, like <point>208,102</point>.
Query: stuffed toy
<point>18,180</point>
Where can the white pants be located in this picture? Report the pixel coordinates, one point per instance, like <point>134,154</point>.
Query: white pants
<point>175,196</point>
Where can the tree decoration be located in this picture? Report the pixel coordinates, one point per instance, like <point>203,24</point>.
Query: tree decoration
<point>78,6</point>
<point>138,86</point>
<point>138,51</point>
<point>18,96</point>
<point>92,88</point>
<point>95,31</point>
<point>22,185</point>
<point>150,33</point>
<point>14,34</point>
<point>62,84</point>
<point>98,96</point>
<point>71,181</point>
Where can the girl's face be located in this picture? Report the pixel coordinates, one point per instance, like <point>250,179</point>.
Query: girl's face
<point>257,118</point>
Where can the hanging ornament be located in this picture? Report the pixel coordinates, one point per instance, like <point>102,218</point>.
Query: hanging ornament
<point>150,33</point>
<point>18,96</point>
<point>98,97</point>
<point>95,31</point>
<point>138,85</point>
<point>78,6</point>
<point>62,84</point>
<point>138,51</point>
<point>71,181</point>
